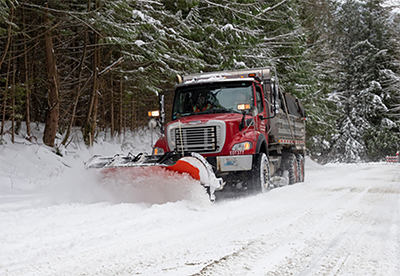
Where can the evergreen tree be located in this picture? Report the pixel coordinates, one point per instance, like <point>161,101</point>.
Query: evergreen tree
<point>113,56</point>
<point>312,75</point>
<point>240,33</point>
<point>366,85</point>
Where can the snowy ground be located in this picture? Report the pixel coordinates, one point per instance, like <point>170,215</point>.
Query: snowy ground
<point>58,219</point>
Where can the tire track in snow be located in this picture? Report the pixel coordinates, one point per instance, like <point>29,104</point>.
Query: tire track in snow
<point>354,251</point>
<point>342,224</point>
<point>262,256</point>
<point>323,250</point>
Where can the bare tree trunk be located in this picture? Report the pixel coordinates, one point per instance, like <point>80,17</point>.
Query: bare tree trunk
<point>3,120</point>
<point>28,100</point>
<point>112,108</point>
<point>135,111</point>
<point>78,90</point>
<point>90,125</point>
<point>14,67</point>
<point>4,54</point>
<point>96,97</point>
<point>132,114</point>
<point>28,92</point>
<point>53,105</point>
<point>124,128</point>
<point>120,108</point>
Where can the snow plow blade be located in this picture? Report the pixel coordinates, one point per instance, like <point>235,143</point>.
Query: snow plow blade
<point>193,164</point>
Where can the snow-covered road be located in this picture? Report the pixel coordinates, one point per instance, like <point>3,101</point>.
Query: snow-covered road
<point>344,220</point>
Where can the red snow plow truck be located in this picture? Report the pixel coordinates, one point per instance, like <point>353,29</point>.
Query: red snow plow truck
<point>232,130</point>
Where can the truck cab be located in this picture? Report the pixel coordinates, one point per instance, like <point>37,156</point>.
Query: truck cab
<point>226,117</point>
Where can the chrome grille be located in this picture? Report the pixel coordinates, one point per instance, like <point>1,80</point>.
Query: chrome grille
<point>196,139</point>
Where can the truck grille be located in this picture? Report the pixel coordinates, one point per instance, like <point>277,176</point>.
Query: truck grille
<point>197,139</point>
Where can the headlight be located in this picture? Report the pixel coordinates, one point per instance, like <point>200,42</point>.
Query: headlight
<point>243,146</point>
<point>158,151</point>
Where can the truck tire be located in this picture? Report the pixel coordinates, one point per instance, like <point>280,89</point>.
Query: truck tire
<point>293,169</point>
<point>300,165</point>
<point>261,178</point>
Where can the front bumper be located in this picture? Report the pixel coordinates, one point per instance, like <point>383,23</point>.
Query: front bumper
<point>234,163</point>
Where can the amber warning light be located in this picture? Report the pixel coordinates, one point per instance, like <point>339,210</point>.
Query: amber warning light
<point>243,106</point>
<point>154,113</point>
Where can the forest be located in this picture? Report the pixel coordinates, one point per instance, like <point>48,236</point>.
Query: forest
<point>97,66</point>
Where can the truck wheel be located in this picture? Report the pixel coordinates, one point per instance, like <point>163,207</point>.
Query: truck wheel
<point>293,169</point>
<point>260,174</point>
<point>300,165</point>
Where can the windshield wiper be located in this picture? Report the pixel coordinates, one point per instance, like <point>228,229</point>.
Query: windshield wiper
<point>223,110</point>
<point>208,111</point>
<point>177,116</point>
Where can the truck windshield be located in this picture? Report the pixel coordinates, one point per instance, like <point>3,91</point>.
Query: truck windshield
<point>212,98</point>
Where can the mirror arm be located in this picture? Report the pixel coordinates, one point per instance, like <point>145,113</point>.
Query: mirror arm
<point>243,122</point>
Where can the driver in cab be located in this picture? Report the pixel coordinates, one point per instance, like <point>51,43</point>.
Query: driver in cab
<point>201,104</point>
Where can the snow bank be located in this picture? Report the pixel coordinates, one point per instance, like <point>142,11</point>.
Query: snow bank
<point>33,176</point>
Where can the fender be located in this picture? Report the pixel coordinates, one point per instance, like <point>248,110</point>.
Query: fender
<point>261,144</point>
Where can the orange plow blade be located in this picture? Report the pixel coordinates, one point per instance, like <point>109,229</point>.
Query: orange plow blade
<point>182,166</point>
<point>134,166</point>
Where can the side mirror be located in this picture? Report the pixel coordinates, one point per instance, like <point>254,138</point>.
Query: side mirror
<point>156,120</point>
<point>253,111</point>
<point>152,124</point>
